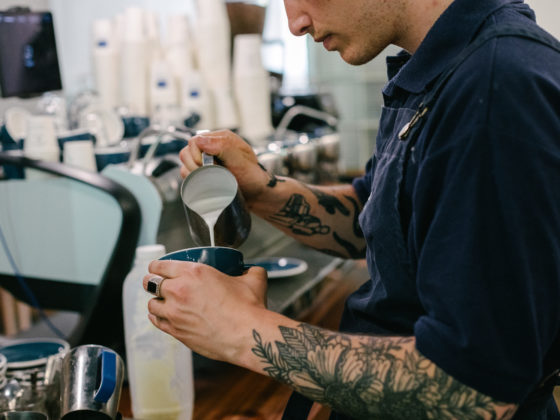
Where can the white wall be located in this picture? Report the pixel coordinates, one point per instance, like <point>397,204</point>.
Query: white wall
<point>548,14</point>
<point>291,56</point>
<point>72,24</point>
<point>39,5</point>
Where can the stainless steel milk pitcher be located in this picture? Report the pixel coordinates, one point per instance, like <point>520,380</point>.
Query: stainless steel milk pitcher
<point>92,378</point>
<point>215,206</point>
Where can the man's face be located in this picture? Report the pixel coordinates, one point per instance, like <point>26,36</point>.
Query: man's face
<point>358,29</point>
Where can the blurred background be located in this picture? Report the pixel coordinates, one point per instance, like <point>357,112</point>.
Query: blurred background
<point>305,67</point>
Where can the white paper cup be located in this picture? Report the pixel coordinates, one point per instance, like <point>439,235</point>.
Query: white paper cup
<point>247,56</point>
<point>40,133</point>
<point>80,154</point>
<point>134,24</point>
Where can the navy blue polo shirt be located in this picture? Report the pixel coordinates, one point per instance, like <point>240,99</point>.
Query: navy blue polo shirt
<point>479,207</point>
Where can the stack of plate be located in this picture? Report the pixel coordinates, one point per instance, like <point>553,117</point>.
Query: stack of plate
<point>26,356</point>
<point>3,369</point>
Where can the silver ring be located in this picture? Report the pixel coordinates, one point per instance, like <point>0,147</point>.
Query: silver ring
<point>154,286</point>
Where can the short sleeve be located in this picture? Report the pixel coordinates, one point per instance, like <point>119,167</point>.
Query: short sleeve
<point>362,185</point>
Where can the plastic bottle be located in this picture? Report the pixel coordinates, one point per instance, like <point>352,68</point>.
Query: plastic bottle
<point>196,99</point>
<point>163,94</point>
<point>159,367</point>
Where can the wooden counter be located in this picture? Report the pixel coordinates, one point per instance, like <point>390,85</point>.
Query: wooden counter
<point>226,392</point>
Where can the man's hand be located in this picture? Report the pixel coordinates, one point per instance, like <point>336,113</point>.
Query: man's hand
<point>234,153</point>
<point>208,311</point>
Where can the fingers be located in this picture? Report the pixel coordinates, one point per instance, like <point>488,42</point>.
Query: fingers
<point>172,271</point>
<point>159,314</point>
<point>191,156</point>
<point>160,273</point>
<point>153,285</point>
<point>224,144</point>
<point>161,323</point>
<point>213,143</point>
<point>258,273</point>
<point>168,268</point>
<point>156,308</point>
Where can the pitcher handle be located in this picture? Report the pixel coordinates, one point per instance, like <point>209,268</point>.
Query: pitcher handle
<point>108,381</point>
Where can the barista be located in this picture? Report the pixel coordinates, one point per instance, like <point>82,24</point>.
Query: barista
<point>457,215</point>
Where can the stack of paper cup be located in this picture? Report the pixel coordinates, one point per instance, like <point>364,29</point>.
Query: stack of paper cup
<point>152,35</point>
<point>3,370</point>
<point>214,59</point>
<point>251,88</point>
<point>179,45</point>
<point>40,143</point>
<point>179,56</point>
<point>106,62</point>
<point>118,26</point>
<point>135,55</point>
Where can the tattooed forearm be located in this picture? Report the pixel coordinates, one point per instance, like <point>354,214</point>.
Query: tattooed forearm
<point>356,223</point>
<point>351,250</point>
<point>273,179</point>
<point>295,216</point>
<point>333,253</point>
<point>328,201</point>
<point>370,378</point>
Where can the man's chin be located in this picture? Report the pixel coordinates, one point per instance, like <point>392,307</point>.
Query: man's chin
<point>357,57</point>
<point>354,60</point>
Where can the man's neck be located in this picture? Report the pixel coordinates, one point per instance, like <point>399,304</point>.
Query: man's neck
<point>420,17</point>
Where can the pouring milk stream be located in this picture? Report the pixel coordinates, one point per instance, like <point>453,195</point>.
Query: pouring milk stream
<point>210,209</point>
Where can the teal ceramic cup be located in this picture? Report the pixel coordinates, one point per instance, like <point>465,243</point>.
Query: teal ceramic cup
<point>226,260</point>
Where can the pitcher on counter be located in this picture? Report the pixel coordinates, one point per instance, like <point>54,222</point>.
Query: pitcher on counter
<point>457,215</point>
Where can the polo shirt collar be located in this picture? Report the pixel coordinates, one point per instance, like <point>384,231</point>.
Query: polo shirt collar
<point>451,33</point>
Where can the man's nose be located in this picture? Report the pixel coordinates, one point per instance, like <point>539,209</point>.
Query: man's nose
<point>299,22</point>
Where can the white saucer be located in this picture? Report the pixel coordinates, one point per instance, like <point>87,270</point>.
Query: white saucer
<point>277,267</point>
